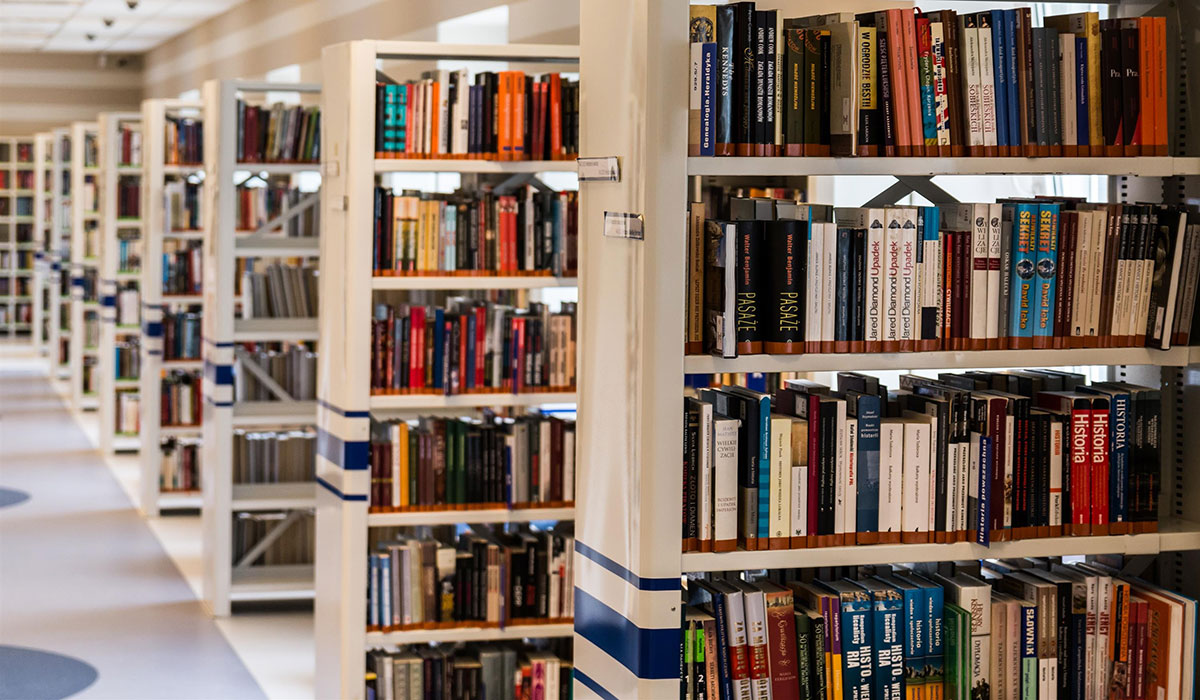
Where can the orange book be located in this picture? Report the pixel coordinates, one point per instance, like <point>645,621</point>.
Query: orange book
<point>1148,80</point>
<point>518,118</point>
<point>503,115</point>
<point>555,117</point>
<point>435,114</point>
<point>1162,113</point>
<point>896,53</point>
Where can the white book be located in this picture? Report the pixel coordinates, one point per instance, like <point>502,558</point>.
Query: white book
<point>995,233</point>
<point>969,55</point>
<point>1186,299</point>
<point>461,116</point>
<point>1057,453</point>
<point>736,610</point>
<point>1081,292</point>
<point>544,474</point>
<point>908,275</point>
<point>444,131</point>
<point>876,277</point>
<point>800,501</point>
<point>893,244</point>
<point>998,680</point>
<point>1067,82</point>
<point>1013,653</point>
<point>964,466</point>
<point>839,501</point>
<point>1141,294</point>
<point>725,488</point>
<point>851,474</point>
<point>829,283</point>
<point>891,475</point>
<point>704,506</point>
<point>1104,593</point>
<point>756,633</point>
<point>987,81</point>
<point>1123,294</point>
<point>814,283</point>
<point>937,35</point>
<point>780,508</point>
<point>915,509</point>
<point>980,237</point>
<point>568,471</point>
<point>1090,635</point>
<point>1099,245</point>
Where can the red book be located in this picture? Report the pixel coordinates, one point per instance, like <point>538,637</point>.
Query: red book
<point>462,352</point>
<point>1100,461</point>
<point>1079,408</point>
<point>997,419</point>
<point>781,642</point>
<point>518,367</point>
<point>416,328</point>
<point>555,107</point>
<point>480,336</point>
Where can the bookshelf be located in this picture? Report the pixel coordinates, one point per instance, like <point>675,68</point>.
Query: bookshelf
<point>162,441</point>
<point>121,256</point>
<point>225,334</point>
<point>348,295</point>
<point>85,260</point>
<point>42,231</point>
<point>58,255</point>
<point>628,576</point>
<point>17,234</point>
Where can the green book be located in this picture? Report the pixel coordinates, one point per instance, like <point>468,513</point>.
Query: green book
<point>958,653</point>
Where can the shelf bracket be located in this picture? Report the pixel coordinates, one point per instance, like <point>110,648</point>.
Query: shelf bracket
<point>275,533</point>
<point>252,366</point>
<point>520,180</point>
<point>306,202</point>
<point>908,184</point>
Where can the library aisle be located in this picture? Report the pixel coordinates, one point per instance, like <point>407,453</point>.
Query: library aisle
<point>74,627</point>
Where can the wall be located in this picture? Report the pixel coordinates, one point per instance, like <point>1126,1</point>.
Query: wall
<point>40,91</point>
<point>261,35</point>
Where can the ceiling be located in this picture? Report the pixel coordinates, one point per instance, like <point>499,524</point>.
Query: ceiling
<point>65,25</point>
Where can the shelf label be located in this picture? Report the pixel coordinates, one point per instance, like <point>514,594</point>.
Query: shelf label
<point>605,169</point>
<point>622,225</point>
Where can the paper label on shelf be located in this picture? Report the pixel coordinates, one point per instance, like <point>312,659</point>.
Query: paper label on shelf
<point>604,169</point>
<point>623,225</point>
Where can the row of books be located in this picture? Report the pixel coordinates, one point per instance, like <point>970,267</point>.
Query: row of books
<point>449,463</point>
<point>293,368</point>
<point>129,197</point>
<point>504,671</point>
<point>127,358</point>
<point>128,414</point>
<point>128,304</point>
<point>180,398</point>
<point>181,335</point>
<point>505,115</point>
<point>474,233</point>
<point>294,546</point>
<point>90,196</point>
<point>181,206</point>
<point>24,153</point>
<point>181,267</point>
<point>783,277</point>
<point>129,251</point>
<point>184,139</point>
<point>1006,630</point>
<point>274,456</point>
<point>179,465</point>
<point>472,346</point>
<point>488,579</point>
<point>973,456</point>
<point>911,83</point>
<point>280,291</point>
<point>278,134</point>
<point>89,379</point>
<point>258,205</point>
<point>129,145</point>
<point>91,151</point>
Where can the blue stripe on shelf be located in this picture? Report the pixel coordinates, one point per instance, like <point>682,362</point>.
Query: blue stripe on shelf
<point>76,281</point>
<point>221,375</point>
<point>352,455</point>
<point>218,344</point>
<point>645,584</point>
<point>219,404</point>
<point>334,490</point>
<point>340,412</point>
<point>152,329</point>
<point>108,300</point>
<point>594,685</point>
<point>155,353</point>
<point>648,653</point>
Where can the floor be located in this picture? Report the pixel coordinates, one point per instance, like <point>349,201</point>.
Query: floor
<point>98,601</point>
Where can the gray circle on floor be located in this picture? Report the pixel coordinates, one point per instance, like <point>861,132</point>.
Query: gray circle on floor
<point>31,674</point>
<point>11,497</point>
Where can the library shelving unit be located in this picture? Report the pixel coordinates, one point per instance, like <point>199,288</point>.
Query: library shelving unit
<point>17,235</point>
<point>117,274</point>
<point>42,221</point>
<point>157,228</point>
<point>85,263</point>
<point>345,405</point>
<point>225,332</point>
<point>628,561</point>
<point>58,255</point>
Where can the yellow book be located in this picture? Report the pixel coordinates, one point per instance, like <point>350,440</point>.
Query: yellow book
<point>400,460</point>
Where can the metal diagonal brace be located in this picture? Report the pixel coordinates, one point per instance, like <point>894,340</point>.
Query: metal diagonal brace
<point>906,185</point>
<point>275,533</point>
<point>259,373</point>
<point>306,202</point>
<point>520,180</point>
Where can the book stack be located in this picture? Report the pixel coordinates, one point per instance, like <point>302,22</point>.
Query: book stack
<point>274,456</point>
<point>293,547</point>
<point>293,368</point>
<point>129,194</point>
<point>181,335</point>
<point>528,232</point>
<point>903,82</point>
<point>280,291</point>
<point>974,456</point>
<point>1007,629</point>
<point>129,305</point>
<point>472,346</point>
<point>128,413</point>
<point>258,205</point>
<point>181,206</point>
<point>786,277</point>
<point>184,140</point>
<point>505,115</point>
<point>181,399</point>
<point>88,377</point>
<point>278,134</point>
<point>507,671</point>
<point>129,146</point>
<point>479,580</point>
<point>458,464</point>
<point>181,266</point>
<point>129,251</point>
<point>180,466</point>
<point>127,357</point>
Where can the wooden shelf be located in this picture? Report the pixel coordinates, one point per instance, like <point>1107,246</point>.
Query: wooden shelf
<point>1146,166</point>
<point>470,634</point>
<point>456,282</point>
<point>452,517</point>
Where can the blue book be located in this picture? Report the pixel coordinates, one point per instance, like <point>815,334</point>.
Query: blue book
<point>1024,260</point>
<point>866,408</point>
<point>373,591</point>
<point>708,97</point>
<point>756,381</point>
<point>928,323</point>
<point>983,523</point>
<point>1081,90</point>
<point>469,380</point>
<point>450,251</point>
<point>760,446</point>
<point>935,603</point>
<point>855,621</point>
<point>888,635</point>
<point>439,359</point>
<point>1046,270</point>
<point>1120,433</point>
<point>916,634</point>
<point>841,316</point>
<point>556,233</point>
<point>1001,75</point>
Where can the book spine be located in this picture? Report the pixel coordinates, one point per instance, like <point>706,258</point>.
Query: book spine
<point>749,303</point>
<point>1046,268</point>
<point>907,307</point>
<point>725,95</point>
<point>941,96</point>
<point>1029,652</point>
<point>869,113</point>
<point>1100,467</point>
<point>781,651</point>
<point>1025,234</point>
<point>857,662</point>
<point>928,91</point>
<point>708,89</point>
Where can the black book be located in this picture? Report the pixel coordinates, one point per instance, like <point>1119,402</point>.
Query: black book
<point>1112,82</point>
<point>743,84</point>
<point>759,86</point>
<point>785,261</point>
<point>748,290</point>
<point>770,85</point>
<point>887,119</point>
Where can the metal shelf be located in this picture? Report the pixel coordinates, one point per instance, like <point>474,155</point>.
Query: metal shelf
<point>1146,166</point>
<point>264,413</point>
<point>453,165</point>
<point>470,634</point>
<point>282,582</point>
<point>287,496</point>
<point>276,246</point>
<point>263,330</point>
<point>455,282</point>
<point>453,517</point>
<point>434,402</point>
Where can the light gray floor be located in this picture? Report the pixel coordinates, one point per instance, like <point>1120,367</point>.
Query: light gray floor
<point>80,572</point>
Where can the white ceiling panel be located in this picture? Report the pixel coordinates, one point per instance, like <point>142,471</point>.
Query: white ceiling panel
<point>101,25</point>
<point>38,10</point>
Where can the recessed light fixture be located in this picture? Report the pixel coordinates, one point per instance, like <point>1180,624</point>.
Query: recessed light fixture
<point>108,21</point>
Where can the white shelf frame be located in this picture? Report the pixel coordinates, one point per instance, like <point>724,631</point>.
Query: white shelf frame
<point>58,255</point>
<point>111,172</point>
<point>223,583</point>
<point>633,365</point>
<point>42,235</point>
<point>10,326</point>
<point>82,307</point>
<point>155,175</point>
<point>348,132</point>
